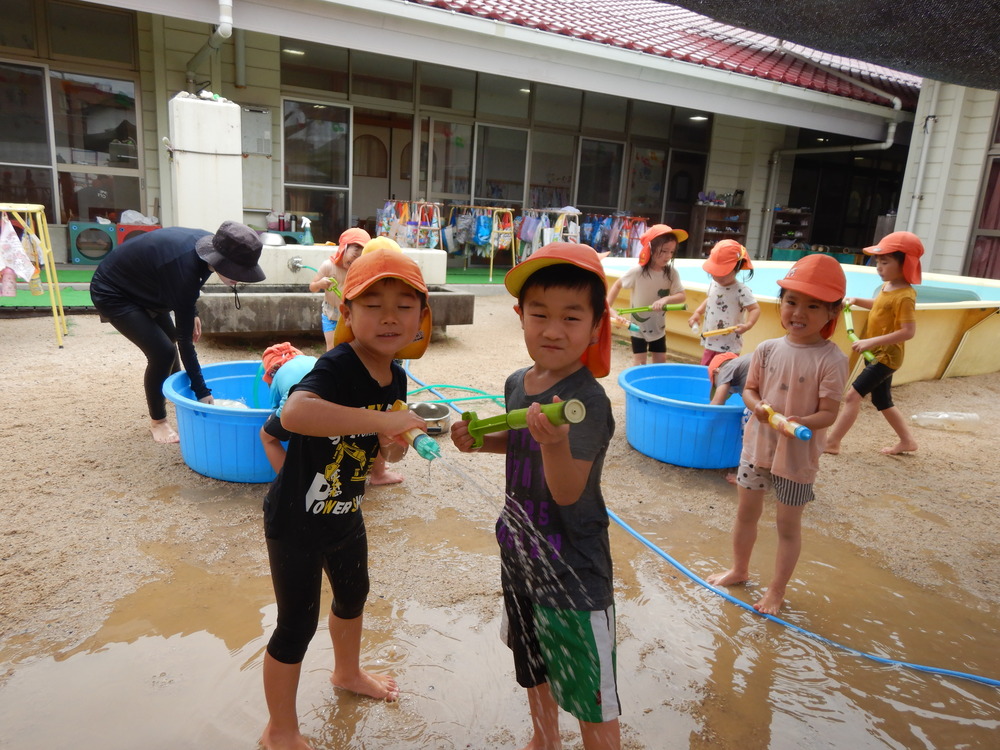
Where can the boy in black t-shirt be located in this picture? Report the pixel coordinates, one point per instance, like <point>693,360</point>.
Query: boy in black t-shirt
<point>338,420</point>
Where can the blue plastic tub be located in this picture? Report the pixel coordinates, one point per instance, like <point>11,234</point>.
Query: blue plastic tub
<point>668,417</point>
<point>223,442</point>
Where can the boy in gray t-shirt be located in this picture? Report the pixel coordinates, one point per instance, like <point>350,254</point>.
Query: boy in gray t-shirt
<point>727,374</point>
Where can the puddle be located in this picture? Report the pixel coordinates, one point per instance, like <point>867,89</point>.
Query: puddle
<point>178,662</point>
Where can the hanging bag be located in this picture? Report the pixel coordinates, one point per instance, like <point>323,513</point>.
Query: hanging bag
<point>484,229</point>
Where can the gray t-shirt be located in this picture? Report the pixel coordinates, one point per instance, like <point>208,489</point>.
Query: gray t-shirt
<point>558,556</point>
<point>734,372</point>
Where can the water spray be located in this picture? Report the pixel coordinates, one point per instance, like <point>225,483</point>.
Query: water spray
<point>849,322</point>
<point>560,412</point>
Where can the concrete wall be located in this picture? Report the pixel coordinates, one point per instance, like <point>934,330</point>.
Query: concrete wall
<point>942,211</point>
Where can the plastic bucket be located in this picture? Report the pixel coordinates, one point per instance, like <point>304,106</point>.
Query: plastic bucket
<point>668,417</point>
<point>223,442</point>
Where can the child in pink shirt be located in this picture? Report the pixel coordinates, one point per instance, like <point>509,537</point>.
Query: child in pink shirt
<point>801,375</point>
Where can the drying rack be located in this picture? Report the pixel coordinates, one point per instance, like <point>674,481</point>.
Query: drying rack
<point>501,223</point>
<point>31,217</point>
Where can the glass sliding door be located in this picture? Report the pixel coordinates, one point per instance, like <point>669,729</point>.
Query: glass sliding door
<point>501,162</point>
<point>450,161</point>
<point>600,176</point>
<point>25,148</point>
<point>317,172</point>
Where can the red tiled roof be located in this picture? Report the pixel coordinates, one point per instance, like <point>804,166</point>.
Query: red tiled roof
<point>657,28</point>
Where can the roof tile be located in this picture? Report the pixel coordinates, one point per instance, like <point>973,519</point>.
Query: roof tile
<point>665,30</point>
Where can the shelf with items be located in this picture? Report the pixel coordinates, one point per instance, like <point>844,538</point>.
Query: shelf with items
<point>791,224</point>
<point>710,224</point>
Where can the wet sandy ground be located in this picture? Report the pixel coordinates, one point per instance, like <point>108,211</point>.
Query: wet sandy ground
<point>136,602</point>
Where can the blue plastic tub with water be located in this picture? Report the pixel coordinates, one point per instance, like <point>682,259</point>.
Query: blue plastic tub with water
<point>223,442</point>
<point>668,417</point>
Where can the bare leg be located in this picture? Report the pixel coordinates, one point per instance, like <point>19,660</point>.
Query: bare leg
<point>544,719</point>
<point>604,736</point>
<point>845,421</point>
<point>381,475</point>
<point>898,423</point>
<point>281,683</point>
<point>347,672</point>
<point>744,536</point>
<point>639,359</point>
<point>162,431</point>
<point>789,522</point>
<point>658,358</point>
<point>328,338</point>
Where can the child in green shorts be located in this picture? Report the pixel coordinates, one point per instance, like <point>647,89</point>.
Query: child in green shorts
<point>556,576</point>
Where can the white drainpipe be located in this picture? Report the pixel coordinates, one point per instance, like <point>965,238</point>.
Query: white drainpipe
<point>775,162</point>
<point>222,32</point>
<point>925,147</point>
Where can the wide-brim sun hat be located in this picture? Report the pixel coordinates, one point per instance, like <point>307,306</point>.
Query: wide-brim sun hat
<point>379,263</point>
<point>819,276</point>
<point>656,230</point>
<point>902,242</point>
<point>724,256</point>
<point>233,251</point>
<point>597,357</point>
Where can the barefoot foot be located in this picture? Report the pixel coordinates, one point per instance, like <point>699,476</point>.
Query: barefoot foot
<point>163,432</point>
<point>272,739</point>
<point>770,603</point>
<point>731,477</point>
<point>832,448</point>
<point>378,686</point>
<point>900,447</point>
<point>729,578</point>
<point>385,477</point>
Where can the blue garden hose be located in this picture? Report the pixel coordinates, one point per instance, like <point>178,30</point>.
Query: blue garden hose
<point>729,597</point>
<point>792,626</point>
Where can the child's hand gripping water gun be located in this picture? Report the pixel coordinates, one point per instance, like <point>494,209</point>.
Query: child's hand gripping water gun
<point>786,426</point>
<point>422,443</point>
<point>849,322</point>
<point>560,412</point>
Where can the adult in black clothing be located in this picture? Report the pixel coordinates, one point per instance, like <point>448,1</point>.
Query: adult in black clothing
<point>142,281</point>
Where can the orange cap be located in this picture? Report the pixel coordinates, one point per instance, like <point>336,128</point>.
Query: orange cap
<point>724,256</point>
<point>651,234</point>
<point>352,236</point>
<point>597,357</point>
<point>902,242</point>
<point>819,276</point>
<point>384,263</point>
<point>275,356</point>
<point>717,361</point>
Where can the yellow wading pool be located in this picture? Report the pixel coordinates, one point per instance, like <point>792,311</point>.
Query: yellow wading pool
<point>955,337</point>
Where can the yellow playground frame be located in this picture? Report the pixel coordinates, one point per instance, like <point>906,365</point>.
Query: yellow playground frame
<point>31,216</point>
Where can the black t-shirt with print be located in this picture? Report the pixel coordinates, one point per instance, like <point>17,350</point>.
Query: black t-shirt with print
<point>321,485</point>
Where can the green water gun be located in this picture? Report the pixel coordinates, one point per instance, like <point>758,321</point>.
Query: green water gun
<point>849,322</point>
<point>560,412</point>
<point>648,308</point>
